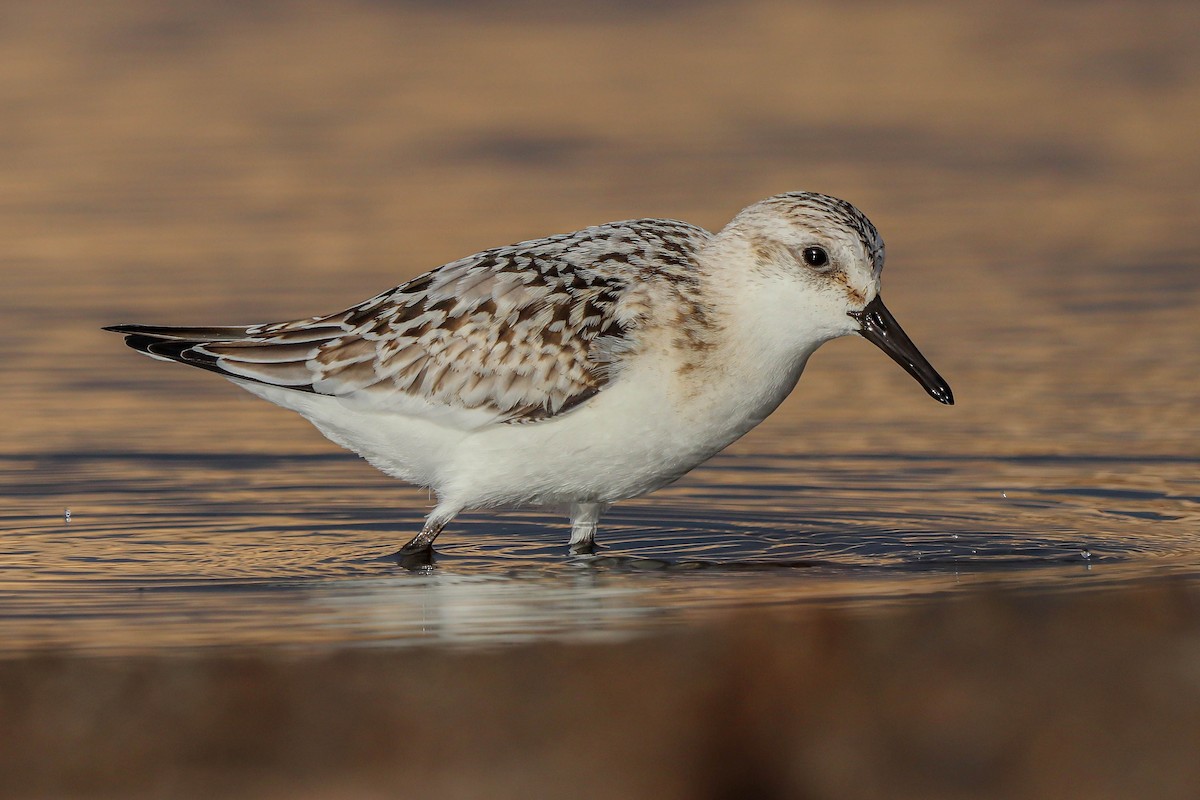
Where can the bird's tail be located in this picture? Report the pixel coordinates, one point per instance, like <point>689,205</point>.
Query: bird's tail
<point>275,354</point>
<point>169,343</point>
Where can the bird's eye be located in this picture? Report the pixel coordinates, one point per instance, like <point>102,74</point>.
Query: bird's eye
<point>815,257</point>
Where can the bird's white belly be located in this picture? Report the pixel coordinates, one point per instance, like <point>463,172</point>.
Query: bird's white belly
<point>610,449</point>
<point>642,432</point>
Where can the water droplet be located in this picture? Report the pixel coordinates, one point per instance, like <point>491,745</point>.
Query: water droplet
<point>1087,554</point>
<point>67,515</point>
<point>1004,495</point>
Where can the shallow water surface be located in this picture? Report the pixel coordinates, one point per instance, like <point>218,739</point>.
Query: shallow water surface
<point>290,549</point>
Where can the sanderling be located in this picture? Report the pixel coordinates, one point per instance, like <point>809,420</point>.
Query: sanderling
<point>576,370</point>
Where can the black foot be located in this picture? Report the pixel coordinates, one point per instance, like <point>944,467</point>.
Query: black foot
<point>584,549</point>
<point>414,557</point>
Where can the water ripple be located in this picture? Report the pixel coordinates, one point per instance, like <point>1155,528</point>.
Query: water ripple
<point>222,550</point>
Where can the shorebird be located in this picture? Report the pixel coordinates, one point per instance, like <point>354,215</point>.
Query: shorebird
<point>576,370</point>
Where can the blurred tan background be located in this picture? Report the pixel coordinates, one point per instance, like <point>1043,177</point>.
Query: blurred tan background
<point>1032,166</point>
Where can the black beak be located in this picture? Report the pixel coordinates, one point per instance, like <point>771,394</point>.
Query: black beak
<point>881,329</point>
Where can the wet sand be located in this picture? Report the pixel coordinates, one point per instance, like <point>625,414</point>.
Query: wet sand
<point>1087,695</point>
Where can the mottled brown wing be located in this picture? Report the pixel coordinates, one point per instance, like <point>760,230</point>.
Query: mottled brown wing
<point>523,332</point>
